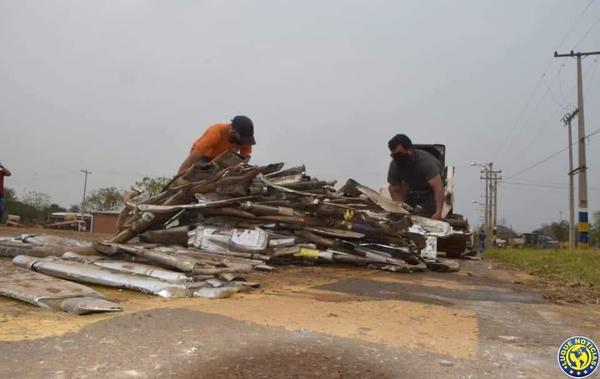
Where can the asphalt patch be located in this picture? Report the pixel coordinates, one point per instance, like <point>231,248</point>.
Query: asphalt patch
<point>425,294</point>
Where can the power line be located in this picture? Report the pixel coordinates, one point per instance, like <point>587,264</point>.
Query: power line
<point>546,122</point>
<point>575,23</point>
<point>558,187</point>
<point>549,157</point>
<point>537,84</point>
<point>587,32</point>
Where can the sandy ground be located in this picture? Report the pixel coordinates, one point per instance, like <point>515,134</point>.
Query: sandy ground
<point>306,322</point>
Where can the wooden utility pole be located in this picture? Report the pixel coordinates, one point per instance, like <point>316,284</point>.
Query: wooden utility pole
<point>567,120</point>
<point>582,169</point>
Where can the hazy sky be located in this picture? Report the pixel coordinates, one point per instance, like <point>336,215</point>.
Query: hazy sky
<point>123,88</point>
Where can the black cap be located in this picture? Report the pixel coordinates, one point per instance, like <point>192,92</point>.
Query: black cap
<point>243,125</point>
<point>400,139</point>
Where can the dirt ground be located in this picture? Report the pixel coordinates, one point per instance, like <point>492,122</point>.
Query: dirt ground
<point>307,321</point>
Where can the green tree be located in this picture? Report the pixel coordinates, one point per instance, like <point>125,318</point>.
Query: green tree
<point>103,199</point>
<point>37,200</point>
<point>559,231</point>
<point>595,230</point>
<point>152,186</point>
<point>74,208</point>
<point>35,206</point>
<point>505,232</point>
<point>10,195</point>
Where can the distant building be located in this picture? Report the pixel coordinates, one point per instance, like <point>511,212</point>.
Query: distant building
<point>95,222</point>
<point>105,222</point>
<point>69,220</point>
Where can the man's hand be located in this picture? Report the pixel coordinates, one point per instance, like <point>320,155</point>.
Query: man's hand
<point>437,215</point>
<point>192,158</point>
<point>397,192</point>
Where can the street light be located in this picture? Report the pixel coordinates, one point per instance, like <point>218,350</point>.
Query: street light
<point>483,165</point>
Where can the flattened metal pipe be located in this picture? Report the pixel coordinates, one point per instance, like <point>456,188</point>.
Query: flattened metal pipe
<point>97,275</point>
<point>146,270</point>
<point>181,263</point>
<point>48,292</point>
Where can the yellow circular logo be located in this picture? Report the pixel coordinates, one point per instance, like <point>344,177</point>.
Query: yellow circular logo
<point>578,357</point>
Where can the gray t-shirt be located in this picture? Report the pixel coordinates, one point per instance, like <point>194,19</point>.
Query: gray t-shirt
<point>416,175</point>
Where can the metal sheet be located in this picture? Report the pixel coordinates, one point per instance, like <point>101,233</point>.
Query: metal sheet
<point>52,293</point>
<point>146,270</point>
<point>97,275</point>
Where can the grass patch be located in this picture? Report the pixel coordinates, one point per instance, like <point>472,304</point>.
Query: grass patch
<point>580,265</point>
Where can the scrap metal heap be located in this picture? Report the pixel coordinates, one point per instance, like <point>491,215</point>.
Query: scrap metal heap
<point>228,208</point>
<point>223,219</point>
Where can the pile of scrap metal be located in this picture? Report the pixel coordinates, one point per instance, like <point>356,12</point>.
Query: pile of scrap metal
<point>214,224</point>
<point>228,208</point>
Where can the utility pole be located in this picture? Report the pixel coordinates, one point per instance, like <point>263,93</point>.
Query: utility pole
<point>486,208</point>
<point>489,232</point>
<point>582,169</point>
<point>86,173</point>
<point>495,218</point>
<point>491,198</point>
<point>567,120</point>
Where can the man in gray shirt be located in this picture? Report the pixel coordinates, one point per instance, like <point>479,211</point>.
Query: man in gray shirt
<point>415,177</point>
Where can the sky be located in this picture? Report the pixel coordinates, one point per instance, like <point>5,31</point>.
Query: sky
<point>123,88</point>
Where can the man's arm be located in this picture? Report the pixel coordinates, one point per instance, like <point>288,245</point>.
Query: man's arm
<point>438,192</point>
<point>202,147</point>
<point>397,192</point>
<point>5,170</point>
<point>192,158</point>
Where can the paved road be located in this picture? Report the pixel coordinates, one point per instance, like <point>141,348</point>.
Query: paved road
<point>305,322</point>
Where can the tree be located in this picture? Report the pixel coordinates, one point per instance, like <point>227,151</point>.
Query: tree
<point>595,230</point>
<point>559,231</point>
<point>505,233</point>
<point>10,195</point>
<point>74,208</point>
<point>152,186</point>
<point>35,206</point>
<point>37,200</point>
<point>103,199</point>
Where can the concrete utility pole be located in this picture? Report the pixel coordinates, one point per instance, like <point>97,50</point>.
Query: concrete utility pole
<point>582,169</point>
<point>490,231</point>
<point>567,120</point>
<point>86,173</point>
<point>490,178</point>
<point>495,218</point>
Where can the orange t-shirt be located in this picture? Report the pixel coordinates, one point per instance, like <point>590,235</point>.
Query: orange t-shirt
<point>215,141</point>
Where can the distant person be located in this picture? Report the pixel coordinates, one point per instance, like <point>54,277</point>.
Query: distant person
<point>3,172</point>
<point>482,238</point>
<point>415,177</point>
<point>237,136</point>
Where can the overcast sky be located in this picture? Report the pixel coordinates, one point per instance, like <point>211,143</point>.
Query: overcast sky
<point>123,88</point>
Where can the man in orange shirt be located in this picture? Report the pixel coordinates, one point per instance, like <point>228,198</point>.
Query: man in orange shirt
<point>237,136</point>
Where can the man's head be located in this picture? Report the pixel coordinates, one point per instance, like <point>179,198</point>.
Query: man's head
<point>242,131</point>
<point>401,149</point>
